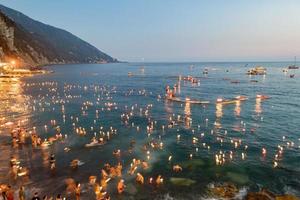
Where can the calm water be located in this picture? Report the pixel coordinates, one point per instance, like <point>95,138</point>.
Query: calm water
<point>72,94</point>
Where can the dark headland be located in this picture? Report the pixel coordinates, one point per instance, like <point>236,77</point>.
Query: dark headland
<point>30,43</point>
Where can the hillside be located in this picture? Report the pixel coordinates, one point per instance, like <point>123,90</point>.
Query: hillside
<point>33,43</point>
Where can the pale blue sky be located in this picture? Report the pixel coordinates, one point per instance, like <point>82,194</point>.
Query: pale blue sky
<point>177,30</point>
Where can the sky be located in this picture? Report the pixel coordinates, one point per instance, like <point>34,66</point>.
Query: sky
<point>177,30</point>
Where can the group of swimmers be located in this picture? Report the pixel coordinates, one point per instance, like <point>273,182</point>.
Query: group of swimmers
<point>110,172</point>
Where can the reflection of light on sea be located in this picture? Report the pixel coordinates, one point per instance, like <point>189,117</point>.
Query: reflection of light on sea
<point>219,115</point>
<point>13,106</point>
<point>219,110</point>
<point>13,112</point>
<point>168,107</point>
<point>179,88</point>
<point>187,112</point>
<point>237,109</point>
<point>258,109</point>
<point>187,109</point>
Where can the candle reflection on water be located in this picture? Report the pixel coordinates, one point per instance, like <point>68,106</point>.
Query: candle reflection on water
<point>187,112</point>
<point>237,109</point>
<point>258,108</point>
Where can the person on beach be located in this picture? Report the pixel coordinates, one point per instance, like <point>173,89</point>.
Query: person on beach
<point>159,180</point>
<point>36,196</point>
<point>58,197</point>
<point>103,183</point>
<point>121,186</point>
<point>3,196</point>
<point>119,170</point>
<point>10,193</point>
<point>22,193</point>
<point>52,162</point>
<point>145,164</point>
<point>77,191</point>
<point>139,178</point>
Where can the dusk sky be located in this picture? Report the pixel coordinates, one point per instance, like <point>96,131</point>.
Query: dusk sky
<point>177,30</point>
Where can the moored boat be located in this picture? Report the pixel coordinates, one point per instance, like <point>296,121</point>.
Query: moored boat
<point>294,66</point>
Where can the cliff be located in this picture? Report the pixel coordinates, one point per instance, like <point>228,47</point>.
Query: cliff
<point>33,43</point>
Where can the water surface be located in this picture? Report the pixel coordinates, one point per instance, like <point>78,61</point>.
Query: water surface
<point>72,94</point>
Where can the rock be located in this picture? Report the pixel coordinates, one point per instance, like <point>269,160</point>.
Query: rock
<point>257,196</point>
<point>226,190</point>
<point>182,181</point>
<point>287,197</point>
<point>267,195</point>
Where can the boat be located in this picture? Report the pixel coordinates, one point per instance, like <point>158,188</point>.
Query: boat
<point>292,75</point>
<point>294,66</point>
<point>130,74</point>
<point>231,101</point>
<point>187,100</point>
<point>259,70</point>
<point>205,71</point>
<point>262,97</point>
<point>94,143</point>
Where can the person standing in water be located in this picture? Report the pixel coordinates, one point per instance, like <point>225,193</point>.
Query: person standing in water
<point>77,191</point>
<point>52,162</point>
<point>22,193</point>
<point>36,196</point>
<point>10,193</point>
<point>121,186</point>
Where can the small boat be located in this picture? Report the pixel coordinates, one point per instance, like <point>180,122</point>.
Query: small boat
<point>130,74</point>
<point>259,70</point>
<point>262,97</point>
<point>94,143</point>
<point>187,100</point>
<point>235,81</point>
<point>294,66</point>
<point>292,75</point>
<point>205,71</point>
<point>231,101</point>
<point>285,70</point>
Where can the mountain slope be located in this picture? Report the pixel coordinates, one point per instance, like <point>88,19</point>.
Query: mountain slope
<point>35,43</point>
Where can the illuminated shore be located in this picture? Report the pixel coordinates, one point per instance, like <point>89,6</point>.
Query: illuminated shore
<point>10,71</point>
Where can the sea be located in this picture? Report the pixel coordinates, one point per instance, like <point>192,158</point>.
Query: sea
<point>252,144</point>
